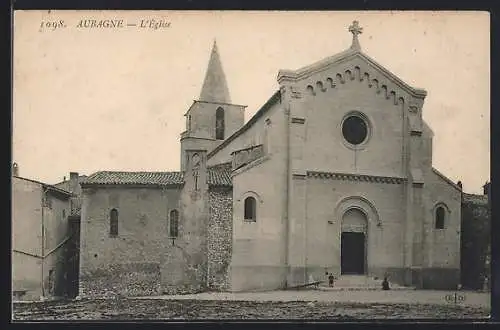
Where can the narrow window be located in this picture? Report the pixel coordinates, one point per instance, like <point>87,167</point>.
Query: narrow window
<point>250,209</point>
<point>64,214</point>
<point>189,123</point>
<point>440,217</point>
<point>219,124</point>
<point>174,223</point>
<point>113,223</point>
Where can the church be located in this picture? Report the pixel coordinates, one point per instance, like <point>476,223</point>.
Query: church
<point>333,174</point>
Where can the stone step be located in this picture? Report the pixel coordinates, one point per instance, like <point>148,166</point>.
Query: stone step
<point>358,281</point>
<point>360,288</point>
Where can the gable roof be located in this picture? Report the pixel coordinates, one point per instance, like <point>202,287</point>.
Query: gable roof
<point>324,64</point>
<point>137,178</point>
<point>219,175</point>
<point>444,178</point>
<point>47,186</point>
<point>308,70</point>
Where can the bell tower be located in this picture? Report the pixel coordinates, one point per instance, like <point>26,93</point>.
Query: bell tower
<point>212,118</point>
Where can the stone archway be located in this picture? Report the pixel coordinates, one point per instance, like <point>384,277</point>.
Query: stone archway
<point>353,238</point>
<point>356,214</point>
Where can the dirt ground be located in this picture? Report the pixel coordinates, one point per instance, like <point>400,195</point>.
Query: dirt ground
<point>167,309</point>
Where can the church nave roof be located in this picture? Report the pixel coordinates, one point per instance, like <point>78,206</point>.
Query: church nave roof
<point>218,175</point>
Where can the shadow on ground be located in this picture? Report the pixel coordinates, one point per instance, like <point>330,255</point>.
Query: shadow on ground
<point>148,309</point>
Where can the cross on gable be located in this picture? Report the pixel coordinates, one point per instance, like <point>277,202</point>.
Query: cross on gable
<point>355,29</point>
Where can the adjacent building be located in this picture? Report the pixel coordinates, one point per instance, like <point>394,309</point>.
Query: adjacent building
<point>39,234</point>
<point>476,240</point>
<point>45,237</point>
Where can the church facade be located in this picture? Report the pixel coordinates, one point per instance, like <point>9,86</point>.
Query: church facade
<point>333,174</point>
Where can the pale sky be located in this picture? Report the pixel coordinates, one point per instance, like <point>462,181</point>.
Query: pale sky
<point>87,100</point>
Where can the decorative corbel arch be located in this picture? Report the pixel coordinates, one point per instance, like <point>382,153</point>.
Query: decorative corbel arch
<point>250,193</point>
<point>381,87</point>
<point>360,203</point>
<point>319,86</point>
<point>330,83</point>
<point>357,73</point>
<point>442,204</point>
<point>348,75</point>
<point>339,78</point>
<point>310,90</point>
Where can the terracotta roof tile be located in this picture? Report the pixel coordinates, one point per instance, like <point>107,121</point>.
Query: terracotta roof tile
<point>134,178</point>
<point>219,175</point>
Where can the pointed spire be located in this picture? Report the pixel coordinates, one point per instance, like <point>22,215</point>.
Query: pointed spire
<point>215,86</point>
<point>355,29</point>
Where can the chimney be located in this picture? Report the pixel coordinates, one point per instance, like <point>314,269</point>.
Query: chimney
<point>73,182</point>
<point>459,183</point>
<point>15,169</point>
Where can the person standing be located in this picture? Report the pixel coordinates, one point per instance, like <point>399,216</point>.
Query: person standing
<point>330,280</point>
<point>385,284</point>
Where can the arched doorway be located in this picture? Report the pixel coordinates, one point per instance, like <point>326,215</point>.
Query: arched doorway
<point>353,242</point>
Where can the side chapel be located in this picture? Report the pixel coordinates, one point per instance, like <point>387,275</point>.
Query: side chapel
<point>332,174</point>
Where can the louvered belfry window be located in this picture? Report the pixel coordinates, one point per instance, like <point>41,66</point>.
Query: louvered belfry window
<point>219,124</point>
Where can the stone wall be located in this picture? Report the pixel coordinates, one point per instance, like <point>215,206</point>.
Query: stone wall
<point>220,238</point>
<point>26,237</point>
<point>258,258</point>
<point>476,224</point>
<point>26,276</point>
<point>322,111</point>
<point>26,216</point>
<point>142,259</point>
<point>122,279</point>
<point>328,198</point>
<point>442,246</point>
<point>34,211</point>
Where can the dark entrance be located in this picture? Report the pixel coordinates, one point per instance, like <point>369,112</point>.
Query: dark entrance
<point>352,253</point>
<point>72,259</point>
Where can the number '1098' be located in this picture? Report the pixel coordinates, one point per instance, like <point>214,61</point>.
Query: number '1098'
<point>52,25</point>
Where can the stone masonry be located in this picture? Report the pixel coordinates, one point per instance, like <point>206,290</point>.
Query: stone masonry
<point>220,229</point>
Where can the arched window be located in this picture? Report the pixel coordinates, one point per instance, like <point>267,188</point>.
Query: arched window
<point>113,223</point>
<point>439,217</point>
<point>250,209</point>
<point>219,124</point>
<point>174,223</point>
